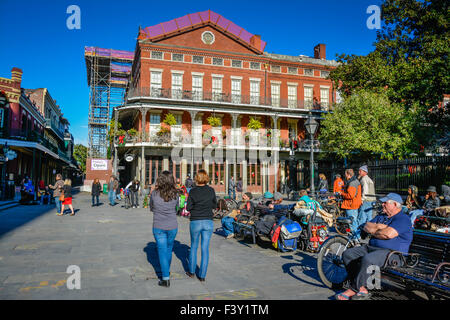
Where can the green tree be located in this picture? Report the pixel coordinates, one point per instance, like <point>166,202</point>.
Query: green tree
<point>410,63</point>
<point>80,153</point>
<point>367,124</point>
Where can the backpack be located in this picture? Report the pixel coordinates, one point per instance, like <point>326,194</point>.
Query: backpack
<point>284,234</point>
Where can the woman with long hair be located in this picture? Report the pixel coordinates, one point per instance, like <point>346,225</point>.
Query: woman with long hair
<point>201,202</point>
<point>67,191</point>
<point>163,203</point>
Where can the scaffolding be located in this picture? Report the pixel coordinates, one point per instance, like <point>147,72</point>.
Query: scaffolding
<point>108,72</point>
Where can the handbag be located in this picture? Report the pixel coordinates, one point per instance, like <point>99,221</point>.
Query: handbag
<point>61,197</point>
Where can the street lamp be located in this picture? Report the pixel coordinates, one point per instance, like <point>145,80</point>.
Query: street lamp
<point>311,126</point>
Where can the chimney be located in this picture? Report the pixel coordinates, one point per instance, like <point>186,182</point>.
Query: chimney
<point>255,41</point>
<point>16,75</point>
<point>320,51</point>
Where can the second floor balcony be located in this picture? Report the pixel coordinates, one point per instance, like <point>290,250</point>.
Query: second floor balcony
<point>54,127</point>
<point>216,97</point>
<point>259,140</point>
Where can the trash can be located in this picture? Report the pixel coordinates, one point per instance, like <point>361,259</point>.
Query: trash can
<point>105,188</point>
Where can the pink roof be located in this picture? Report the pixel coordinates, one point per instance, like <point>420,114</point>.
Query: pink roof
<point>195,19</point>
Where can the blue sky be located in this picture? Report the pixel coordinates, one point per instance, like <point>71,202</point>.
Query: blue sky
<point>36,39</point>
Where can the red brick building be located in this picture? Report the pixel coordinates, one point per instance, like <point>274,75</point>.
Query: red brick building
<point>201,66</point>
<point>26,131</point>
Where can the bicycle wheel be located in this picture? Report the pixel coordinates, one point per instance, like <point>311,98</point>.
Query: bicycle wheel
<point>330,266</point>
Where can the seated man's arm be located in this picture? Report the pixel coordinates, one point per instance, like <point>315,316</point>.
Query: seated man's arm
<point>372,227</point>
<point>386,233</point>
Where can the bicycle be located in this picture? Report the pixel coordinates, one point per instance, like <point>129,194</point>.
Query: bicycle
<point>332,204</point>
<point>330,265</point>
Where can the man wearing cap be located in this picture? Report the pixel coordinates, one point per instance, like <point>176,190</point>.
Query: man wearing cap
<point>390,231</point>
<point>365,212</point>
<point>432,202</point>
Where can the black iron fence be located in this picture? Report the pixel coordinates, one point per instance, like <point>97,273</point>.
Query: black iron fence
<point>395,175</point>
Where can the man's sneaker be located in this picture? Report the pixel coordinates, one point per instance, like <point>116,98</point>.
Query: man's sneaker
<point>230,236</point>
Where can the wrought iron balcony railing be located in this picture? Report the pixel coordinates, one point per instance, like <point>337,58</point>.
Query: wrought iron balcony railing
<point>220,97</point>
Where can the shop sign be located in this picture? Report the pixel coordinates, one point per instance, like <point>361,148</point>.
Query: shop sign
<point>99,164</point>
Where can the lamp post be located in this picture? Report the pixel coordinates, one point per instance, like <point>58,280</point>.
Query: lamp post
<point>311,126</point>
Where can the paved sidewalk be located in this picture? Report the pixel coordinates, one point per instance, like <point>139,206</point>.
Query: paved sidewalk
<point>115,250</point>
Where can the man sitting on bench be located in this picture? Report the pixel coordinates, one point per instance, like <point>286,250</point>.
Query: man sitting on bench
<point>246,207</point>
<point>390,231</point>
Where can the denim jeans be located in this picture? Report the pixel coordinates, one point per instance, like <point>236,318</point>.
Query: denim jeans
<point>365,213</point>
<point>112,197</point>
<point>232,194</point>
<point>58,204</point>
<point>353,213</point>
<point>45,196</point>
<point>227,225</point>
<point>414,214</point>
<point>134,198</point>
<point>164,243</point>
<point>203,229</point>
<point>95,202</point>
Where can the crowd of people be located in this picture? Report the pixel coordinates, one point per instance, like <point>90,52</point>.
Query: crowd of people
<point>392,229</point>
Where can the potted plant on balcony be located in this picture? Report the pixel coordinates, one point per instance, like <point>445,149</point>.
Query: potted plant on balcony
<point>163,135</point>
<point>132,133</point>
<point>170,120</point>
<point>214,121</point>
<point>254,124</point>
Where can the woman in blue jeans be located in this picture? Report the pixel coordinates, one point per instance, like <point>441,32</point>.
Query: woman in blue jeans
<point>201,202</point>
<point>163,203</point>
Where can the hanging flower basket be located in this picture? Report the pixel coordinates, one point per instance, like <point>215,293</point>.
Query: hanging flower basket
<point>170,120</point>
<point>214,121</point>
<point>254,124</point>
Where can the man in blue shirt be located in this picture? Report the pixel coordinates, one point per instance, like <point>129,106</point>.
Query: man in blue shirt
<point>390,231</point>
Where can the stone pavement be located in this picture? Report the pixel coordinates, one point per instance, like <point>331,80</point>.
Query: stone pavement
<point>116,253</point>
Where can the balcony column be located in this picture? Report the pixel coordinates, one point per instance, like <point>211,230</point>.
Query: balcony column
<point>116,120</point>
<point>234,118</point>
<point>275,150</point>
<point>193,115</point>
<point>143,138</point>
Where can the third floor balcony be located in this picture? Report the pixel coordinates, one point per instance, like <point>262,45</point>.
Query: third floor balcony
<point>215,97</point>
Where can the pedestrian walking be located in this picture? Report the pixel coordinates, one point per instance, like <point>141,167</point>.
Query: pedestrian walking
<point>368,198</point>
<point>189,183</point>
<point>113,187</point>
<point>232,188</point>
<point>59,184</point>
<point>352,198</point>
<point>201,202</point>
<point>67,193</point>
<point>163,203</point>
<point>134,187</point>
<point>239,187</point>
<point>95,192</point>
